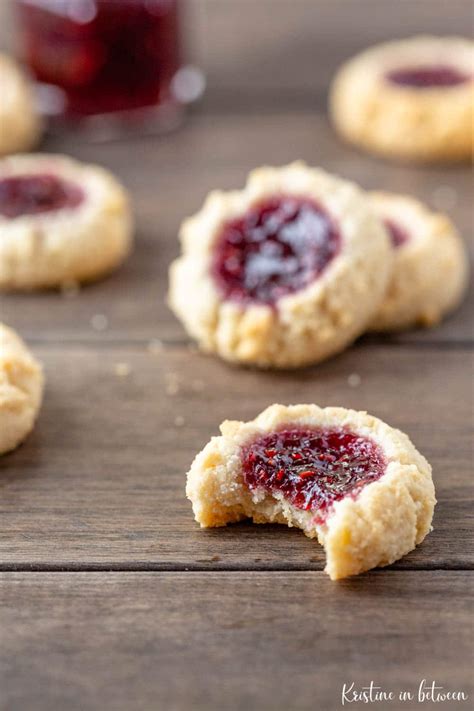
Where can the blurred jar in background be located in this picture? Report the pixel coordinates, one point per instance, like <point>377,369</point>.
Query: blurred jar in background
<point>108,64</point>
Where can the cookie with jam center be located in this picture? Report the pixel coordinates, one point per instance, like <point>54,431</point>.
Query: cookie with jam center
<point>21,389</point>
<point>430,271</point>
<point>344,477</point>
<point>62,222</point>
<point>20,123</point>
<point>284,273</point>
<point>411,99</point>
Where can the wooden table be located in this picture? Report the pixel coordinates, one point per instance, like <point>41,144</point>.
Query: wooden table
<point>111,596</point>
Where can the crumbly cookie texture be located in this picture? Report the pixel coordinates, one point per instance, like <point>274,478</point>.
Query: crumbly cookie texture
<point>20,125</point>
<point>429,124</point>
<point>67,245</point>
<point>430,271</point>
<point>387,519</point>
<point>21,389</point>
<point>306,326</point>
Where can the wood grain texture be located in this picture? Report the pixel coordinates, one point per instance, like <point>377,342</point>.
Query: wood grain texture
<point>276,51</point>
<point>179,641</point>
<point>241,617</point>
<point>169,179</point>
<point>101,479</point>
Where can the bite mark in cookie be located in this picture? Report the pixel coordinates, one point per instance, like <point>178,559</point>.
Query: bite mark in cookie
<point>344,477</point>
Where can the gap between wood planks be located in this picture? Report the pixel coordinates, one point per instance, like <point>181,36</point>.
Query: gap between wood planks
<point>140,343</point>
<point>145,567</point>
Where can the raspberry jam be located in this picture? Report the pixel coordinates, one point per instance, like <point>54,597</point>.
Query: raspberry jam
<point>397,234</point>
<point>34,194</point>
<point>102,56</point>
<point>279,246</point>
<point>427,77</point>
<point>312,468</point>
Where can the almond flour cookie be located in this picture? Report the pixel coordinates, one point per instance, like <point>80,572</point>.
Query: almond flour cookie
<point>430,270</point>
<point>61,222</point>
<point>284,273</point>
<point>21,389</point>
<point>343,477</point>
<point>408,99</point>
<point>20,125</point>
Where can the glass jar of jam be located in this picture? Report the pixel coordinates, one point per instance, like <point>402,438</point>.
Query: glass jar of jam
<point>107,62</point>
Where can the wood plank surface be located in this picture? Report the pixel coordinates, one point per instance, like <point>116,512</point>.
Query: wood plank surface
<point>173,641</point>
<point>241,617</point>
<point>101,479</point>
<point>275,51</point>
<point>169,179</point>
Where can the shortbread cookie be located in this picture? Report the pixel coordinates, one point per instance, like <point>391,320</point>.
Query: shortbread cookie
<point>410,99</point>
<point>61,222</point>
<point>430,270</point>
<point>343,477</point>
<point>284,273</point>
<point>20,125</point>
<point>21,389</point>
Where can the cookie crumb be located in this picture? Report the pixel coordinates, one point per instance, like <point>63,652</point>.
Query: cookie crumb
<point>354,380</point>
<point>122,370</point>
<point>155,346</point>
<point>179,421</point>
<point>70,289</point>
<point>172,384</point>
<point>99,322</point>
<point>444,198</point>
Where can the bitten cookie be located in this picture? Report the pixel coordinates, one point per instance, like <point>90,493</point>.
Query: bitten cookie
<point>409,99</point>
<point>344,477</point>
<point>21,389</point>
<point>20,125</point>
<point>430,271</point>
<point>284,273</point>
<point>61,222</point>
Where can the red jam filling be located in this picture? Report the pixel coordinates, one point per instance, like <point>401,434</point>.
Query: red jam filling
<point>427,77</point>
<point>34,194</point>
<point>279,246</point>
<point>397,234</point>
<point>313,468</point>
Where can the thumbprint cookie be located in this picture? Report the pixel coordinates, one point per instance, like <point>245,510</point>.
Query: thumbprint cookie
<point>284,273</point>
<point>21,389</point>
<point>20,125</point>
<point>344,477</point>
<point>409,99</point>
<point>61,222</point>
<point>430,269</point>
